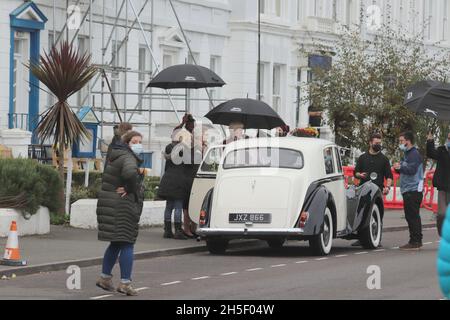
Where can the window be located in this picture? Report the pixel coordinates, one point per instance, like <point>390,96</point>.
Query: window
<point>338,160</point>
<point>264,157</point>
<point>278,8</point>
<point>262,6</point>
<point>445,24</point>
<point>329,160</point>
<point>215,65</point>
<point>349,12</point>
<point>51,39</point>
<point>276,93</point>
<point>261,81</point>
<point>83,48</point>
<point>142,76</point>
<point>428,18</point>
<point>318,8</point>
<point>334,13</point>
<point>212,160</point>
<point>116,83</point>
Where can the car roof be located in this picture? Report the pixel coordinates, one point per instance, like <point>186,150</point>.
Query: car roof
<point>296,143</point>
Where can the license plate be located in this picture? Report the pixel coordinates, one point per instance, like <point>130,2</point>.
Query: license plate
<point>250,217</point>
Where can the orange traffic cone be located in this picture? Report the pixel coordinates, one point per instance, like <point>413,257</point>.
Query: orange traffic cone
<point>12,252</point>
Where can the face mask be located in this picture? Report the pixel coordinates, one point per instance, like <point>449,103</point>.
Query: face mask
<point>403,147</point>
<point>448,144</point>
<point>377,147</point>
<point>137,148</point>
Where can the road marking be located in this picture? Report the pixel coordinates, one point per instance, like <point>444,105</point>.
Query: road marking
<point>395,248</point>
<point>380,250</point>
<point>170,283</point>
<point>102,297</point>
<point>228,273</point>
<point>438,241</point>
<point>300,262</point>
<point>320,259</point>
<point>427,243</point>
<point>254,269</point>
<point>341,256</point>
<point>201,278</point>
<point>278,265</point>
<point>358,253</point>
<point>143,288</point>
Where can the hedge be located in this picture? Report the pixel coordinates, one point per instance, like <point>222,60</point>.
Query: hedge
<point>26,185</point>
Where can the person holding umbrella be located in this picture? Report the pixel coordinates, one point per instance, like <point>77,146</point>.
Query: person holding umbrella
<point>441,179</point>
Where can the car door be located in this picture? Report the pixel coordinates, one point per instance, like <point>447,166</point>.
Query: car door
<point>335,184</point>
<point>204,181</point>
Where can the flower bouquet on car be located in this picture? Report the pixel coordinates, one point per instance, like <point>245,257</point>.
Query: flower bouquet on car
<point>305,132</point>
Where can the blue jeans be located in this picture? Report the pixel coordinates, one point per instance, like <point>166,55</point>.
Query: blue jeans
<point>176,205</point>
<point>125,250</point>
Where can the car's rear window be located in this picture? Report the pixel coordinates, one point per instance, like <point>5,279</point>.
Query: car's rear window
<point>264,157</point>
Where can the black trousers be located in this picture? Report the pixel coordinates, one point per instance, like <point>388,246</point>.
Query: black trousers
<point>411,203</point>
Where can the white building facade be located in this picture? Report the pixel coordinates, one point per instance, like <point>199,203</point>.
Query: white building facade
<point>223,35</point>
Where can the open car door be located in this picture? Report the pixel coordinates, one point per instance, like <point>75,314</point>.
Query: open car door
<point>204,180</point>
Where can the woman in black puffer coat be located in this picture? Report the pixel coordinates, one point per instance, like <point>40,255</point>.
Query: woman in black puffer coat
<point>119,209</point>
<point>174,183</point>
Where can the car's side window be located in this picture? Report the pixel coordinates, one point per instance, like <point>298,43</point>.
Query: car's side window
<point>338,160</point>
<point>329,160</point>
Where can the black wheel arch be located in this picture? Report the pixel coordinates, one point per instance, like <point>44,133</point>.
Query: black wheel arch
<point>369,195</point>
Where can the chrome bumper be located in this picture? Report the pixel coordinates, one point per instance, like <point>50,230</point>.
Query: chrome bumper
<point>251,232</point>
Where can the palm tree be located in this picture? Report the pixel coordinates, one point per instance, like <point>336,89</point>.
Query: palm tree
<point>64,71</point>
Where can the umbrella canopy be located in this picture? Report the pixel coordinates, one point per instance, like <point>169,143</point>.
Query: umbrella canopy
<point>186,76</point>
<point>253,114</point>
<point>431,98</point>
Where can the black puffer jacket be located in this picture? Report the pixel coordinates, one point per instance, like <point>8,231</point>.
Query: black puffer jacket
<point>173,184</point>
<point>118,217</point>
<point>441,178</point>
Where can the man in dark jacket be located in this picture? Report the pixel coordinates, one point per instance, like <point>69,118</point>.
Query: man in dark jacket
<point>118,211</point>
<point>411,185</point>
<point>441,179</point>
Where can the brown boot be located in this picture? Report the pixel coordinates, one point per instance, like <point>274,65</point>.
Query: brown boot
<point>126,288</point>
<point>411,247</point>
<point>105,284</point>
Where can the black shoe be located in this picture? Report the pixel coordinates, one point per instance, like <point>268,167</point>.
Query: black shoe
<point>168,234</point>
<point>179,234</point>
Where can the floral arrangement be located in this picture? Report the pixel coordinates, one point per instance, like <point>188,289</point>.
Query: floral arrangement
<point>305,132</point>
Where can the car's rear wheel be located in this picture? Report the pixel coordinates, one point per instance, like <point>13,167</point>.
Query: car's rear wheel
<point>321,244</point>
<point>370,236</point>
<point>217,246</point>
<point>276,243</point>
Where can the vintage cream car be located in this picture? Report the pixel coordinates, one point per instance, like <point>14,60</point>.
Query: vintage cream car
<point>275,189</point>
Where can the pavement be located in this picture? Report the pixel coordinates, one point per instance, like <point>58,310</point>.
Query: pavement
<point>259,273</point>
<point>66,246</point>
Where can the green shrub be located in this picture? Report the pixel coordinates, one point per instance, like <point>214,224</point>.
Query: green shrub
<point>57,219</point>
<point>40,185</point>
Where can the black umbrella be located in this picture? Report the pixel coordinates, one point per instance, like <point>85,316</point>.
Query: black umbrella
<point>186,76</point>
<point>253,114</point>
<point>431,98</point>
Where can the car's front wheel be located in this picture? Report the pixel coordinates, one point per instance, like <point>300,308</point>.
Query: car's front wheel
<point>370,236</point>
<point>321,244</point>
<point>217,246</point>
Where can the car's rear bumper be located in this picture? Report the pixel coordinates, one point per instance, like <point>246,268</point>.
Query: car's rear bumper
<point>249,233</point>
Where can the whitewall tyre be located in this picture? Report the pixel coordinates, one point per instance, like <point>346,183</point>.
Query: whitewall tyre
<point>322,243</point>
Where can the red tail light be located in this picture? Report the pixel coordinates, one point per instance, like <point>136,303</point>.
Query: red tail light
<point>303,218</point>
<point>202,217</point>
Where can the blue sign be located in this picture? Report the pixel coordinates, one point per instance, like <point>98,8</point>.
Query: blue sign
<point>86,148</point>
